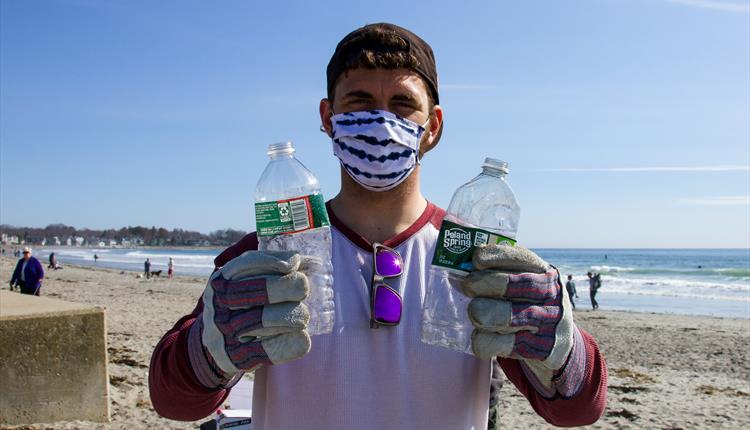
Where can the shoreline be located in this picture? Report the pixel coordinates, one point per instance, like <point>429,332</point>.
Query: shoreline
<point>666,370</point>
<point>579,301</point>
<point>565,248</point>
<point>610,299</point>
<point>185,248</point>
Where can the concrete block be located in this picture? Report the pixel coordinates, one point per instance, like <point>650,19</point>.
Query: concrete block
<point>53,361</point>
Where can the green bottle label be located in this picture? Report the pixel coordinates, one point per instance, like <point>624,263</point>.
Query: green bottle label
<point>456,244</point>
<point>291,216</point>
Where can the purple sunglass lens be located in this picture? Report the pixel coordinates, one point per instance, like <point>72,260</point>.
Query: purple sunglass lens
<point>386,307</point>
<point>387,263</point>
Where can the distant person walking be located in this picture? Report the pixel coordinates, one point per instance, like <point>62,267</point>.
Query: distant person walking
<point>53,262</point>
<point>28,274</point>
<point>170,266</point>
<point>595,281</point>
<point>96,258</point>
<point>147,268</point>
<point>571,287</point>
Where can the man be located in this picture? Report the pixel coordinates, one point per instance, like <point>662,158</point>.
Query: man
<point>147,268</point>
<point>594,284</point>
<point>383,115</point>
<point>570,286</point>
<point>28,274</point>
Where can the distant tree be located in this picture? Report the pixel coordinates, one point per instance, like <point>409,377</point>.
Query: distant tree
<point>153,236</point>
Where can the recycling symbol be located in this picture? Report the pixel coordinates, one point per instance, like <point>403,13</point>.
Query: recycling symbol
<point>284,213</point>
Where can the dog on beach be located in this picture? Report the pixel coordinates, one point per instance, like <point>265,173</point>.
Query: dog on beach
<point>156,273</point>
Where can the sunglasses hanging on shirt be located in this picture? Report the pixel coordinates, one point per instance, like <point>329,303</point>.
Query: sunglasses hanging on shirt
<point>385,302</point>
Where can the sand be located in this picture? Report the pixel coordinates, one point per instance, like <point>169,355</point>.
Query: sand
<point>666,371</point>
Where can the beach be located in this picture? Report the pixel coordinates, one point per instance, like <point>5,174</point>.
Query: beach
<point>666,371</point>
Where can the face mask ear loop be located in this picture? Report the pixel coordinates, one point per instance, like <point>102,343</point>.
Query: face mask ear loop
<point>323,129</point>
<point>419,145</point>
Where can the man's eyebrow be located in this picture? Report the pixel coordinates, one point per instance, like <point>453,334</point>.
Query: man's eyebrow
<point>405,97</point>
<point>359,94</point>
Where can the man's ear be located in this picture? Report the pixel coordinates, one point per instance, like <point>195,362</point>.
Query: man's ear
<point>326,112</point>
<point>434,131</point>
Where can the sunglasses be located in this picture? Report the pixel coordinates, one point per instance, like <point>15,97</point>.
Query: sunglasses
<point>385,302</point>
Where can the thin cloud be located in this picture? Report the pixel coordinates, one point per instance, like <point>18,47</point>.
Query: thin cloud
<point>726,168</point>
<point>467,87</point>
<point>725,6</point>
<point>719,201</point>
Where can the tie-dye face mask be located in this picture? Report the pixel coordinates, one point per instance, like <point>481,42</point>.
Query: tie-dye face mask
<point>377,148</point>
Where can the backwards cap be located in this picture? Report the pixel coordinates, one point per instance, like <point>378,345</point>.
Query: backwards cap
<point>378,39</point>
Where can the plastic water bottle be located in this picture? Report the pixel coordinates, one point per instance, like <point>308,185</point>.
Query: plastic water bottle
<point>483,211</point>
<point>290,215</point>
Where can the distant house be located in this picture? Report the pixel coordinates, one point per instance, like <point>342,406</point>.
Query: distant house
<point>125,242</point>
<point>69,241</point>
<point>112,243</point>
<point>79,241</point>
<point>7,239</point>
<point>56,240</point>
<point>101,244</point>
<point>44,241</point>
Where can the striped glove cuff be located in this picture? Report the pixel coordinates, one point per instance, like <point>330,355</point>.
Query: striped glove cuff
<point>206,370</point>
<point>568,380</point>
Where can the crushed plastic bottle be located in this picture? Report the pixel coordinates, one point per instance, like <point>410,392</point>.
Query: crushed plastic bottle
<point>482,211</point>
<point>290,215</point>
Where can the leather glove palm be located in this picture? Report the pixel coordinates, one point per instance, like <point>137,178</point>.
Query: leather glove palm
<point>520,310</point>
<point>252,315</point>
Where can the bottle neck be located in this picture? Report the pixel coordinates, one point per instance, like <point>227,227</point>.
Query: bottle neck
<point>280,150</point>
<point>276,155</point>
<point>489,171</point>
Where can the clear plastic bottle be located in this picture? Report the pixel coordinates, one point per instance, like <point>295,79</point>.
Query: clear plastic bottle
<point>290,215</point>
<point>482,211</point>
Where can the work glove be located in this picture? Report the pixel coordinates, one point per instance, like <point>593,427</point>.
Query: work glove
<point>520,310</point>
<point>252,315</point>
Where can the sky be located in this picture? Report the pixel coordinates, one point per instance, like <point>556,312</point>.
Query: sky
<point>626,123</point>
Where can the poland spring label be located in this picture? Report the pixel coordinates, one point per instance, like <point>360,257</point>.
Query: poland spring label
<point>290,216</point>
<point>456,244</point>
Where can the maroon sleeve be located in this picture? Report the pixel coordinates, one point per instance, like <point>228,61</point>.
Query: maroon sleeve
<point>174,388</point>
<point>584,408</point>
<point>247,243</point>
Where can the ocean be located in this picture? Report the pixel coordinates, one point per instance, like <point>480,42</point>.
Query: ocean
<point>682,281</point>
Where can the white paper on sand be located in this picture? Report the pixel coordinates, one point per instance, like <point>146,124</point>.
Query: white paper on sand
<point>235,419</point>
<point>240,404</point>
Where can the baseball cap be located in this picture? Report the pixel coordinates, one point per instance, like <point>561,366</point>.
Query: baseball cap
<point>375,38</point>
<point>26,249</point>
